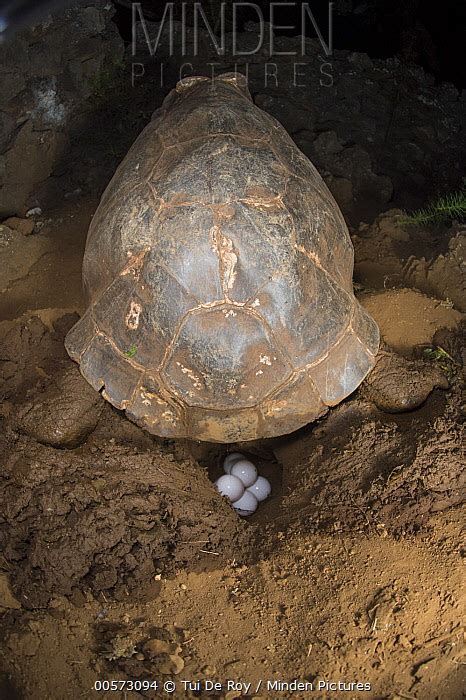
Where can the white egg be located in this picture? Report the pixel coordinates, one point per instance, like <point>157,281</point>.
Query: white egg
<point>230,459</point>
<point>244,470</point>
<point>230,486</point>
<point>261,488</point>
<point>246,505</point>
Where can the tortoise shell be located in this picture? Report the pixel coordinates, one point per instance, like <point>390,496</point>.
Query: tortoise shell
<point>218,277</point>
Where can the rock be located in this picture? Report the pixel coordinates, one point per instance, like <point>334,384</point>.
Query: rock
<point>58,603</point>
<point>293,116</point>
<point>342,190</point>
<point>171,664</point>
<point>360,60</point>
<point>232,695</point>
<point>6,407</point>
<point>7,127</point>
<point>49,110</point>
<point>29,161</point>
<point>13,82</point>
<point>39,101</point>
<point>209,670</point>
<point>327,143</point>
<point>349,175</point>
<point>92,20</point>
<point>6,236</point>
<point>350,162</point>
<point>74,193</point>
<point>35,211</point>
<point>305,142</point>
<point>374,190</point>
<point>24,226</point>
<point>156,647</point>
<point>18,254</point>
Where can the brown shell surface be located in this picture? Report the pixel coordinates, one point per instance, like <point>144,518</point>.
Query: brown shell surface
<point>218,275</point>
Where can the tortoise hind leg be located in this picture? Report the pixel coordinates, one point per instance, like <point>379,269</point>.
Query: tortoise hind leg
<point>397,384</point>
<point>65,414</point>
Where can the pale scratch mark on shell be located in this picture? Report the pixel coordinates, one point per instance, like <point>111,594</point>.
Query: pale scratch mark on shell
<point>221,149</point>
<point>169,417</point>
<point>135,263</point>
<point>132,317</point>
<point>213,238</point>
<point>310,255</point>
<point>195,379</point>
<point>227,257</point>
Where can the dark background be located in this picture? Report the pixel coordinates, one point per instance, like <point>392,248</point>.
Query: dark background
<point>432,35</point>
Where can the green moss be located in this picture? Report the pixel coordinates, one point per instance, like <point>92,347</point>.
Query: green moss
<point>107,79</point>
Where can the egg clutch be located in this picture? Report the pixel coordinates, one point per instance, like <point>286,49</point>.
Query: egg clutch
<point>242,485</point>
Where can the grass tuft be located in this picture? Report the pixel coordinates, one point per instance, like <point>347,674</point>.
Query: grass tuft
<point>442,359</point>
<point>450,206</point>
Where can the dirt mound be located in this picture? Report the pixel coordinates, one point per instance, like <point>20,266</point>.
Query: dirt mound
<point>442,276</point>
<point>108,516</point>
<point>147,508</point>
<point>358,607</point>
<point>366,470</point>
<point>408,319</point>
<point>120,560</point>
<point>361,468</point>
<point>107,519</point>
<point>387,254</point>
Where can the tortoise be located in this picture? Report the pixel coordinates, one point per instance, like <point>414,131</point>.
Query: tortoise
<point>218,278</point>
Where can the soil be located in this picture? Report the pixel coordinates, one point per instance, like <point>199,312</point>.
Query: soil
<point>119,560</point>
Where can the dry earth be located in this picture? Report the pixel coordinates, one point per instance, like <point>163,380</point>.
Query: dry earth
<point>120,561</point>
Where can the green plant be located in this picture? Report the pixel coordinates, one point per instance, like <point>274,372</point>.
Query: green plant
<point>131,352</point>
<point>442,359</point>
<point>445,208</point>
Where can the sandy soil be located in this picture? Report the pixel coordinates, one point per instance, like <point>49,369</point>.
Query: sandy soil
<point>120,561</point>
